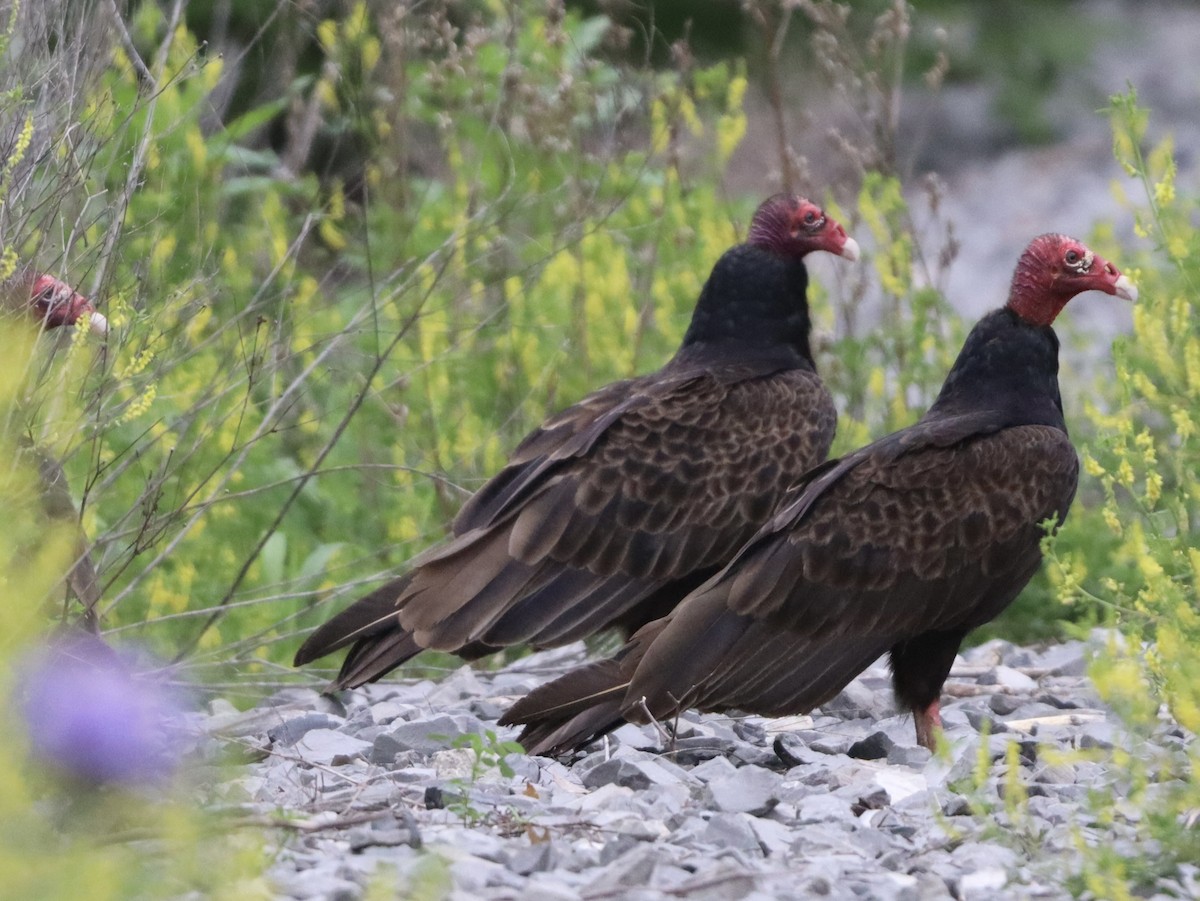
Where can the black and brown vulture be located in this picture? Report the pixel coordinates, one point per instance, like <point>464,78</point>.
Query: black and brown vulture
<point>618,506</point>
<point>902,547</point>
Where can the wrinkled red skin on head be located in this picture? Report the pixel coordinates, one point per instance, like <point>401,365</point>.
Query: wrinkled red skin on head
<point>1047,276</point>
<point>56,304</point>
<point>793,226</point>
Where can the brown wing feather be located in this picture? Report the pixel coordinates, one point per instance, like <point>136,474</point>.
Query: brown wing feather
<point>936,539</point>
<point>569,432</point>
<point>610,503</point>
<point>679,481</point>
<point>582,704</point>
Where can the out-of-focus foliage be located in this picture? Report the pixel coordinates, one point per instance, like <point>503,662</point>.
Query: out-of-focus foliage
<point>59,837</point>
<point>63,835</point>
<point>1136,556</point>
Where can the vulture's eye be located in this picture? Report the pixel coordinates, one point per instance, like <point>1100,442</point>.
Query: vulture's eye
<point>47,294</point>
<point>810,218</point>
<point>1072,258</point>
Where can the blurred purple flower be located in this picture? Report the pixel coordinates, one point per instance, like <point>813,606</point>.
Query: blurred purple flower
<point>90,715</point>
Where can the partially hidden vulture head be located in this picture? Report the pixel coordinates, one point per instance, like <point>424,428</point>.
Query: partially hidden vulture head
<point>1053,269</point>
<point>793,226</point>
<point>54,303</point>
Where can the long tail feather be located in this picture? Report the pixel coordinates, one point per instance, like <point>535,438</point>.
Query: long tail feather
<point>371,615</point>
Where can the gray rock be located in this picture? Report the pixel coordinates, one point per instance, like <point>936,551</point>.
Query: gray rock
<point>616,847</point>
<point>637,736</point>
<point>841,841</point>
<point>857,701</point>
<point>1053,812</point>
<point>539,858</point>
<point>731,830</point>
<point>329,748</point>
<point>632,869</point>
<point>875,798</point>
<point>413,695</point>
<point>899,784</point>
<point>990,653</point>
<point>982,882</point>
<point>1004,704</point>
<point>874,747</point>
<point>317,883</point>
<point>424,736</point>
<point>1009,679</point>
<point>386,712</point>
<point>831,744</point>
<point>361,839</point>
<point>1097,734</point>
<point>617,772</point>
<point>1067,659</point>
<point>750,729</point>
<point>793,752</point>
<point>747,754</point>
<point>751,789</point>
<point>774,838</point>
<point>1055,774</point>
<point>913,756</point>
<point>290,731</point>
<point>819,808</point>
<point>1059,701</point>
<point>419,774</point>
<point>634,824</point>
<point>699,748</point>
<point>982,719</point>
<point>975,856</point>
<point>956,806</point>
<point>488,708</point>
<point>728,881</point>
<point>608,797</point>
<point>664,771</point>
<point>714,768</point>
<point>963,754</point>
<point>463,683</point>
<point>549,889</point>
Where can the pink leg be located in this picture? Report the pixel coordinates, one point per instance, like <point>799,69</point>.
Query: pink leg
<point>928,721</point>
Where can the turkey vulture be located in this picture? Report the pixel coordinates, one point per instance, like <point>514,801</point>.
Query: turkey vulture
<point>50,301</point>
<point>903,546</point>
<point>54,304</point>
<point>617,507</point>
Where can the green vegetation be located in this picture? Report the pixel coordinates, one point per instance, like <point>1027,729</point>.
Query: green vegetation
<point>488,755</point>
<point>1142,575</point>
<point>312,363</point>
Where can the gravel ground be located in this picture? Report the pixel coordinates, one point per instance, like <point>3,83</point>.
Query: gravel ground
<point>381,784</point>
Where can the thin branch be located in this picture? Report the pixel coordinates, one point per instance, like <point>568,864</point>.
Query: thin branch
<point>130,48</point>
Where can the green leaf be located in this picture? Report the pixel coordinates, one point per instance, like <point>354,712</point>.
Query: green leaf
<point>315,563</point>
<point>254,119</point>
<point>274,558</point>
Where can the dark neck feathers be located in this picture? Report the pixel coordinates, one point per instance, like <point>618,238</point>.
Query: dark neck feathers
<point>1008,366</point>
<point>754,302</point>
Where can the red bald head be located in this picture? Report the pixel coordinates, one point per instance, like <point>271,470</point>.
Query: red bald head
<point>55,304</point>
<point>1052,270</point>
<point>792,226</point>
